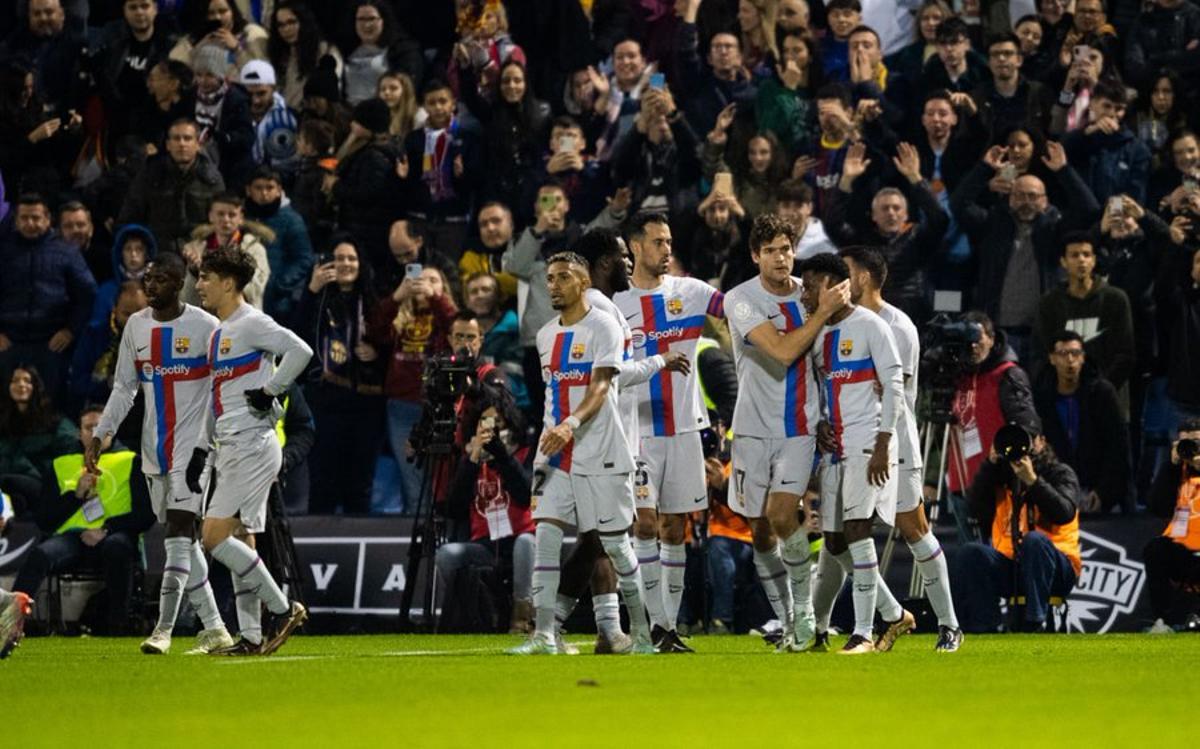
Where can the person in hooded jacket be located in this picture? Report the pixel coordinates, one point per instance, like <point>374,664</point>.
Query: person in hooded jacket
<point>133,248</point>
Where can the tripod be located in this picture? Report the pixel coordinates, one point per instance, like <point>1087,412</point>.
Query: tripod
<point>281,549</point>
<point>426,537</point>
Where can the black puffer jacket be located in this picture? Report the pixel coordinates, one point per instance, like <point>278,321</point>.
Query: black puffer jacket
<point>171,201</point>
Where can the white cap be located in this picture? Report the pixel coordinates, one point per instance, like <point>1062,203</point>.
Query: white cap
<point>257,72</point>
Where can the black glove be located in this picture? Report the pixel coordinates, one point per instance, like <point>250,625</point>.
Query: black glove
<point>259,400</point>
<point>195,469</point>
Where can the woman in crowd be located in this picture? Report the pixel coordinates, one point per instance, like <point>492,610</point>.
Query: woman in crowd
<point>758,169</point>
<point>1161,111</point>
<point>484,46</point>
<point>398,92</point>
<point>910,61</point>
<point>784,104</point>
<point>375,44</point>
<point>295,48</point>
<point>345,391</point>
<point>32,434</point>
<point>756,21</point>
<point>36,150</point>
<point>220,23</point>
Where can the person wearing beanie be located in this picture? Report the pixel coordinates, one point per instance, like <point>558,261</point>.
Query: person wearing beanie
<point>223,113</point>
<point>373,115</point>
<point>323,99</point>
<point>275,123</point>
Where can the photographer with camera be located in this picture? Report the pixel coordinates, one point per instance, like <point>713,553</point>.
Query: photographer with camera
<point>991,391</point>
<point>1173,559</point>
<point>1027,498</point>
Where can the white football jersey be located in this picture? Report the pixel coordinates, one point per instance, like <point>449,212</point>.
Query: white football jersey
<point>169,361</point>
<point>908,345</point>
<point>773,401</point>
<point>569,354</point>
<point>851,357</point>
<point>242,355</point>
<point>670,318</point>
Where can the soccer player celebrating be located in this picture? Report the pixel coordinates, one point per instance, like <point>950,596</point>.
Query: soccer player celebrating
<point>164,351</point>
<point>854,355</point>
<point>583,469</point>
<point>667,313</point>
<point>775,419</point>
<point>246,385</point>
<point>868,271</point>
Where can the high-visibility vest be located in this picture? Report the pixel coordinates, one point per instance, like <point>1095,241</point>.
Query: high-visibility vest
<point>112,487</point>
<point>1184,528</point>
<point>1065,537</point>
<point>279,432</point>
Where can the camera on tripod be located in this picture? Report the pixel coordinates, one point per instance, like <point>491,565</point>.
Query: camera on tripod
<point>946,356</point>
<point>447,378</point>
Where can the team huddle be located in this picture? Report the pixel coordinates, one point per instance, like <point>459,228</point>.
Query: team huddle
<point>827,387</point>
<point>210,453</point>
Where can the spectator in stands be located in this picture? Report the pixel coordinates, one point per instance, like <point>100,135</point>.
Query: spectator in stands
<point>784,103</point>
<point>46,293</point>
<point>32,433</point>
<point>489,501</point>
<point>1173,559</point>
<point>714,84</point>
<point>617,100</point>
<point>53,51</point>
<point>1081,416</point>
<point>715,248</point>
<point>227,131</point>
<point>1072,110</point>
<point>275,124</point>
<point>757,170</point>
<point>219,25</point>
<point>412,324</point>
<point>227,227</point>
<point>92,522</point>
<point>323,99</point>
<point>500,331</point>
<point>407,246</point>
<point>366,172</point>
<point>658,160</point>
<point>910,60</point>
<point>906,245</point>
<point>398,92</point>
<point>1089,25</point>
<point>1056,24</point>
<point>1009,100</point>
<point>994,391</point>
<point>172,97</point>
<point>127,50</point>
<point>295,46</point>
<point>1109,157</point>
<point>75,226</point>
<point>346,390</point>
<point>1166,35</point>
<point>133,249</point>
<point>957,67</point>
<point>1171,183</point>
<point>375,44</point>
<point>484,48</point>
<point>290,254</point>
<point>1017,242</point>
<point>1037,60</point>
<point>871,81</point>
<point>36,150</point>
<point>795,204</point>
<point>1161,113</point>
<point>1178,291</point>
<point>584,179</point>
<point>823,165</point>
<point>756,21</point>
<point>843,17</point>
<point>1087,305</point>
<point>171,195</point>
<point>442,167</point>
<point>314,146</point>
<point>1034,494</point>
<point>95,359</point>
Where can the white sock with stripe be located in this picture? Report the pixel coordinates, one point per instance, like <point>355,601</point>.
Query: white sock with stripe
<point>629,578</point>
<point>649,563</point>
<point>199,592</point>
<point>931,562</point>
<point>774,579</point>
<point>607,609</point>
<point>176,571</point>
<point>831,575</point>
<point>674,564</point>
<point>246,565</point>
<point>866,573</point>
<point>547,558</point>
<point>563,606</point>
<point>795,555</point>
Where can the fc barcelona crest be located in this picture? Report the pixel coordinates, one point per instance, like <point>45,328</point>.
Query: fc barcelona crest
<point>226,345</point>
<point>846,347</point>
<point>675,306</point>
<point>182,345</point>
<point>577,351</point>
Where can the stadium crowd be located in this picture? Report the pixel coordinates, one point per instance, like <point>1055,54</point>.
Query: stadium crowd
<point>400,172</point>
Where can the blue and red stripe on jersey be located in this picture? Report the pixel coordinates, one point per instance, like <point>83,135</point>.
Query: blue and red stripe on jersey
<point>165,370</point>
<point>795,399</point>
<point>564,375</point>
<point>660,333</point>
<point>839,373</point>
<point>224,370</point>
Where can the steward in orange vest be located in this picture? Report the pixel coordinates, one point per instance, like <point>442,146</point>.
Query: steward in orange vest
<point>1173,559</point>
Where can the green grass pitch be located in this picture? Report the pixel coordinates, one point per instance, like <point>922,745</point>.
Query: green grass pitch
<point>461,691</point>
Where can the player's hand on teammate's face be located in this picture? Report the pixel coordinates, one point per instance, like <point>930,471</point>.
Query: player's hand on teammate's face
<point>556,438</point>
<point>677,361</point>
<point>834,299</point>
<point>877,468</point>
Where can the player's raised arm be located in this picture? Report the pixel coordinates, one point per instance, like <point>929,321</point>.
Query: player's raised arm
<point>786,348</point>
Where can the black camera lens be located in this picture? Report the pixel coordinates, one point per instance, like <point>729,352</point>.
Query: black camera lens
<point>1187,449</point>
<point>1012,442</point>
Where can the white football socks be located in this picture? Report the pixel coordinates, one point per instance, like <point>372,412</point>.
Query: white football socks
<point>866,575</point>
<point>649,563</point>
<point>795,555</point>
<point>547,557</point>
<point>774,580</point>
<point>607,609</point>
<point>831,575</point>
<point>247,567</point>
<point>176,571</point>
<point>931,562</point>
<point>199,592</point>
<point>674,564</point>
<point>629,579</point>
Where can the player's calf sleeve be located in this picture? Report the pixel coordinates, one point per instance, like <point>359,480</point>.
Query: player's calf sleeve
<point>649,562</point>
<point>629,580</point>
<point>199,592</point>
<point>607,610</point>
<point>866,575</point>
<point>246,565</point>
<point>774,579</point>
<point>931,562</point>
<point>547,560</point>
<point>796,553</point>
<point>831,575</point>
<point>674,565</point>
<point>176,571</point>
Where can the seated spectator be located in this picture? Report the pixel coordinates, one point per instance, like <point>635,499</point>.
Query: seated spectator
<point>715,83</point>
<point>220,25</point>
<point>133,249</point>
<point>957,67</point>
<point>274,121</point>
<point>171,195</point>
<point>658,160</point>
<point>1109,157</point>
<point>1081,416</point>
<point>784,103</point>
<point>346,391</point>
<point>126,52</point>
<point>757,170</point>
<point>290,254</point>
<point>46,293</point>
<point>31,434</point>
<point>95,359</point>
<point>398,92</point>
<point>1173,559</point>
<point>295,46</point>
<point>584,179</point>
<point>227,131</point>
<point>907,246</point>
<point>495,238</point>
<point>93,522</point>
<point>1099,313</point>
<point>378,43</point>
<point>1028,501</point>
<point>366,171</point>
<point>227,227</point>
<point>795,204</point>
<point>172,97</point>
<point>489,501</point>
<point>500,332</point>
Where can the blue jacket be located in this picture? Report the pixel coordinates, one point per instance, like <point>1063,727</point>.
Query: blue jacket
<point>106,294</point>
<point>502,345</point>
<point>45,286</point>
<point>1110,164</point>
<point>290,257</point>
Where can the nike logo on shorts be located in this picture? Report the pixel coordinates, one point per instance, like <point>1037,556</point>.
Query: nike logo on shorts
<point>605,520</point>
